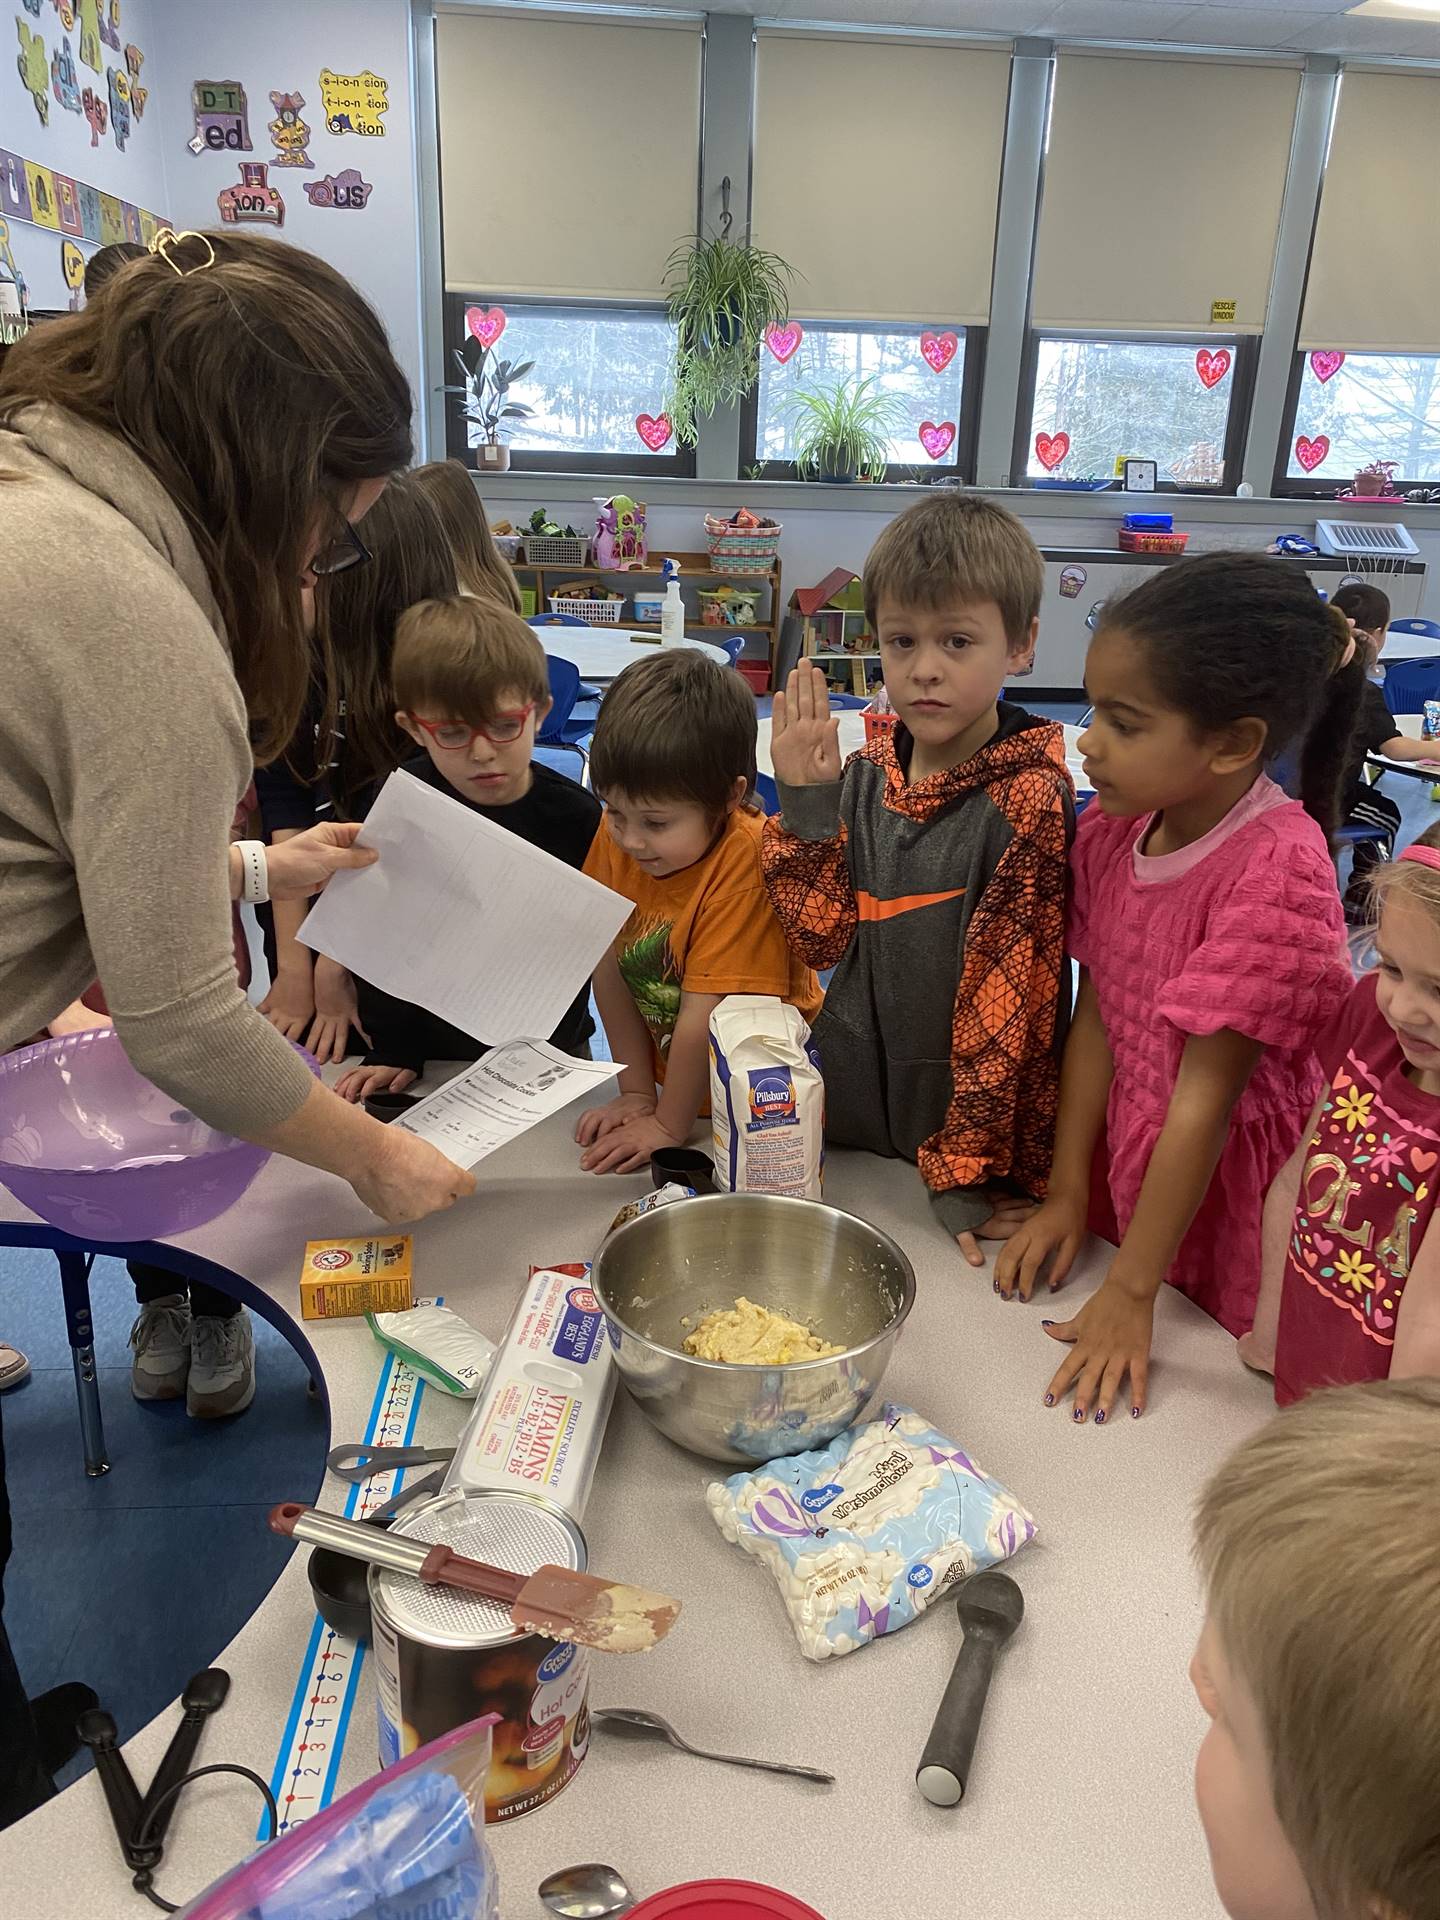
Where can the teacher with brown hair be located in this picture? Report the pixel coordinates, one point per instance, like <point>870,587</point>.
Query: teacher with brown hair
<point>177,463</point>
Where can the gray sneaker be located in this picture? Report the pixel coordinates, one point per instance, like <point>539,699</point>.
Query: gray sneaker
<point>222,1366</point>
<point>160,1338</point>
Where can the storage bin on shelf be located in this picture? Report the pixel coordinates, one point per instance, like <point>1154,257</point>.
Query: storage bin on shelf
<point>876,724</point>
<point>527,603</point>
<point>556,550</point>
<point>648,605</point>
<point>1133,540</point>
<point>594,609</point>
<point>728,607</point>
<point>741,550</point>
<point>756,672</point>
<point>510,546</point>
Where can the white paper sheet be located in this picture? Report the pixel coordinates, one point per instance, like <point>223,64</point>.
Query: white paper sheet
<point>464,919</point>
<point>501,1096</point>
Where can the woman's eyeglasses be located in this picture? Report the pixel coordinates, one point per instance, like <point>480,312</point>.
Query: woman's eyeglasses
<point>338,556</point>
<point>503,730</point>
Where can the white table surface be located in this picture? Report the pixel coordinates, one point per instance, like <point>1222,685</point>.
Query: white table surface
<point>1080,1800</point>
<point>852,736</point>
<point>1407,646</point>
<point>603,653</point>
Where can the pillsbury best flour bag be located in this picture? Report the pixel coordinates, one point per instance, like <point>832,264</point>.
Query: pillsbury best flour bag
<point>767,1100</point>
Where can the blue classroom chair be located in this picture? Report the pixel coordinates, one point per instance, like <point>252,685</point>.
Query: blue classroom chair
<point>1410,683</point>
<point>561,730</point>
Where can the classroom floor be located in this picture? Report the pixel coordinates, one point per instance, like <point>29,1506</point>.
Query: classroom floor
<point>134,1582</point>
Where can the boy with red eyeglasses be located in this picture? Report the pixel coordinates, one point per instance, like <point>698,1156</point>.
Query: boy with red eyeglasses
<point>472,687</point>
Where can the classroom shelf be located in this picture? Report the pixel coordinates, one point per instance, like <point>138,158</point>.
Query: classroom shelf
<point>695,569</point>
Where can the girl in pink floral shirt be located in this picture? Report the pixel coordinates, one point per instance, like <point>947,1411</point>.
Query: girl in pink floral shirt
<point>1207,922</point>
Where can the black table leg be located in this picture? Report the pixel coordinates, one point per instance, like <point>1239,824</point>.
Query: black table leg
<point>75,1283</point>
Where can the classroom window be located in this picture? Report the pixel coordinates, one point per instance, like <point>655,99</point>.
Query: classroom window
<point>1354,410</point>
<point>595,392</point>
<point>1096,401</point>
<point>921,378</point>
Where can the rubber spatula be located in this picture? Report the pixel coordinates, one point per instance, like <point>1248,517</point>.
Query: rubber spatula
<point>555,1601</point>
<point>991,1607</point>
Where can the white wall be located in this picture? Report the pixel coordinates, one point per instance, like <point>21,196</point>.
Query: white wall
<point>281,46</point>
<point>137,174</point>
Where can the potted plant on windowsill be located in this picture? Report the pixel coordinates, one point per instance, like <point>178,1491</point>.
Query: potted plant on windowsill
<point>485,400</point>
<point>722,296</point>
<point>843,433</point>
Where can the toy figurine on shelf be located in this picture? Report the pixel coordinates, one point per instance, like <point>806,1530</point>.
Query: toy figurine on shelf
<point>620,533</point>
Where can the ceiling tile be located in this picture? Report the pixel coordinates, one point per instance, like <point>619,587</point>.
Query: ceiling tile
<point>1001,17</point>
<point>1117,19</point>
<point>1282,6</point>
<point>1349,34</point>
<point>1236,26</point>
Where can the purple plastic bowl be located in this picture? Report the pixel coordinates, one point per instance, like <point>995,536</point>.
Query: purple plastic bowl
<point>99,1152</point>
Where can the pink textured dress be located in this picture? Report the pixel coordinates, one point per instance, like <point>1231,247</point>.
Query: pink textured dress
<point>1243,930</point>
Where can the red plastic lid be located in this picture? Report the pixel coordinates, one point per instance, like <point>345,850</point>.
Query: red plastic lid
<point>723,1900</point>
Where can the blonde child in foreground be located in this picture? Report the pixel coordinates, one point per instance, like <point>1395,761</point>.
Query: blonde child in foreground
<point>1350,1288</point>
<point>1319,1662</point>
<point>674,762</point>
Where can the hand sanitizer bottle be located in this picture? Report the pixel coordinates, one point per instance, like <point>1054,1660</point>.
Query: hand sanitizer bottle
<point>672,611</point>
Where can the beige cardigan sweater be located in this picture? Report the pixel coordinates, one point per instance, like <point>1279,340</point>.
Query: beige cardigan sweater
<point>123,753</point>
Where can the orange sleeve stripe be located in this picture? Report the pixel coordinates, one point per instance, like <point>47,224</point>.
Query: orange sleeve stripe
<point>872,909</point>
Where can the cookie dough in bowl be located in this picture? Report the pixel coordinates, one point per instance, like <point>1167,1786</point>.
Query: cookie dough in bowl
<point>747,1335</point>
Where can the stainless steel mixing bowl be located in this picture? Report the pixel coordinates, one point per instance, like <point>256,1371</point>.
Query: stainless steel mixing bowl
<point>842,1277</point>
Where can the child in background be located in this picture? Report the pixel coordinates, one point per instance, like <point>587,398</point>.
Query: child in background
<point>1351,1284</point>
<point>1319,1663</point>
<point>932,873</point>
<point>405,558</point>
<point>450,489</point>
<point>471,688</point>
<point>1207,923</point>
<point>674,762</point>
<point>1361,805</point>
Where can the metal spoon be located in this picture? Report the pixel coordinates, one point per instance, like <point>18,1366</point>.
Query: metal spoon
<point>636,1724</point>
<point>591,1892</point>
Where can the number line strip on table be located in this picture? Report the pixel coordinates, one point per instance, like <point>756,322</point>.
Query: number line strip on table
<point>330,1670</point>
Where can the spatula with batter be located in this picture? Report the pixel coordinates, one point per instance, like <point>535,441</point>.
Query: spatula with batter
<point>556,1601</point>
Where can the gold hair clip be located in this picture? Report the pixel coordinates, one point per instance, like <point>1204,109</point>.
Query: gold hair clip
<point>168,239</point>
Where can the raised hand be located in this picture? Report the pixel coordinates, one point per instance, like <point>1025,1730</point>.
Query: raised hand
<point>804,734</point>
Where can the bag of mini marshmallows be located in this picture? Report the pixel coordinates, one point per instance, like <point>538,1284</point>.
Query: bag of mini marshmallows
<point>767,1100</point>
<point>438,1344</point>
<point>868,1532</point>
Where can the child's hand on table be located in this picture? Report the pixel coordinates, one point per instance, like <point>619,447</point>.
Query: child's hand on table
<point>1009,1212</point>
<point>596,1121</point>
<point>289,1006</point>
<point>1052,1234</point>
<point>361,1082</point>
<point>336,1011</point>
<point>1109,1337</point>
<point>804,734</point>
<point>628,1147</point>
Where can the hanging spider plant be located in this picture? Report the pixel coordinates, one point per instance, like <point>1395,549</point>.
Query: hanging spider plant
<point>844,432</point>
<point>723,296</point>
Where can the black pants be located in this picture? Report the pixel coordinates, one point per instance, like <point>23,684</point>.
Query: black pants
<point>24,1783</point>
<point>1372,809</point>
<point>156,1283</point>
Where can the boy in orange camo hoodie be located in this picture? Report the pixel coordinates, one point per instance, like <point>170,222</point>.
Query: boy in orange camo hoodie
<point>931,873</point>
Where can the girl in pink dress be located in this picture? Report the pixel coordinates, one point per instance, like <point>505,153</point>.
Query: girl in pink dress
<point>1208,927</point>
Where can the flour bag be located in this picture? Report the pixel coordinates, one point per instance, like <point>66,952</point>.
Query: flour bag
<point>767,1099</point>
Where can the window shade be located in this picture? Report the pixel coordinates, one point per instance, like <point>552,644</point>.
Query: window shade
<point>1163,185</point>
<point>569,153</point>
<point>877,173</point>
<point>1374,283</point>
